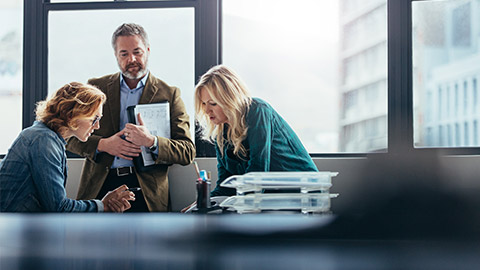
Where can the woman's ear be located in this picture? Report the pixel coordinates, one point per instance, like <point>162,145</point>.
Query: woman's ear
<point>72,124</point>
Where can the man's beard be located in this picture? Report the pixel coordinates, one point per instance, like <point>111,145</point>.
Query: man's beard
<point>142,70</point>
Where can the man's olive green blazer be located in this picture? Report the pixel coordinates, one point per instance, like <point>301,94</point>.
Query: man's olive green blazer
<point>179,149</point>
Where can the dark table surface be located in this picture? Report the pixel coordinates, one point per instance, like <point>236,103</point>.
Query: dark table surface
<point>179,241</point>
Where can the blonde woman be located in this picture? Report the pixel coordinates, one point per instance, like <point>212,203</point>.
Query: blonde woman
<point>249,135</point>
<point>34,171</point>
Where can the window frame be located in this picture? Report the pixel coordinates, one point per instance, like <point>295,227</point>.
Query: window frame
<point>208,52</point>
<point>35,64</point>
<point>395,24</point>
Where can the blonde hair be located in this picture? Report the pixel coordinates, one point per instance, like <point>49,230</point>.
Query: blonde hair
<point>229,92</point>
<point>71,102</point>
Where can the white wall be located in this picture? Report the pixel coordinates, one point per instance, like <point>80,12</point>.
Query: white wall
<point>463,172</point>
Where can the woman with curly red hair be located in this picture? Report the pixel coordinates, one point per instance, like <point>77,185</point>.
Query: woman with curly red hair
<point>34,171</point>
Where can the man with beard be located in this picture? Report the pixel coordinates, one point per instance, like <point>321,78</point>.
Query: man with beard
<point>111,148</point>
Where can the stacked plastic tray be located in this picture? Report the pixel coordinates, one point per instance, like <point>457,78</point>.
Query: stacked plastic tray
<point>308,192</point>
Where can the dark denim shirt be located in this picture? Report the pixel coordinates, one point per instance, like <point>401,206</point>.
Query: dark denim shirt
<point>33,175</point>
<point>271,145</point>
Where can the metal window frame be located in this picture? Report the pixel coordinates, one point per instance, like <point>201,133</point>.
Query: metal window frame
<point>401,57</point>
<point>208,52</point>
<point>35,61</point>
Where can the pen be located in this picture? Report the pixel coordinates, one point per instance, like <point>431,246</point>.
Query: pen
<point>134,189</point>
<point>196,169</point>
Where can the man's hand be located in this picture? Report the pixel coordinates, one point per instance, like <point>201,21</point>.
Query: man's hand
<point>139,134</point>
<point>117,200</point>
<point>116,146</point>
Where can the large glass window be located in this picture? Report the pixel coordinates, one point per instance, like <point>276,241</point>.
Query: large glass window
<point>80,48</point>
<point>11,39</point>
<point>321,64</point>
<point>446,67</point>
<point>74,1</point>
<point>68,1</point>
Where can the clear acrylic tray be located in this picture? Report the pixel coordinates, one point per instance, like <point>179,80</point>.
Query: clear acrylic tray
<point>258,181</point>
<point>304,202</point>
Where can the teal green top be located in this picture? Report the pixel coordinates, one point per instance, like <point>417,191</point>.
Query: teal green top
<point>271,145</point>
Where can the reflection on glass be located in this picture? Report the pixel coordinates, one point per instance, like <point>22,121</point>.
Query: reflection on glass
<point>446,66</point>
<point>11,39</point>
<point>80,51</point>
<point>321,64</point>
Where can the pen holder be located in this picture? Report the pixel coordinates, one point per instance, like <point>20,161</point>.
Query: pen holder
<point>203,194</point>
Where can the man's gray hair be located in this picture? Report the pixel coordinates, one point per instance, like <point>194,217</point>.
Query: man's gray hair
<point>130,29</point>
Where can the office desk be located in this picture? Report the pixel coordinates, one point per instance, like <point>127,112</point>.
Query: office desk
<point>179,241</point>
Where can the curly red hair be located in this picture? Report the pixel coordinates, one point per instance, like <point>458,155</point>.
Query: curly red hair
<point>71,102</point>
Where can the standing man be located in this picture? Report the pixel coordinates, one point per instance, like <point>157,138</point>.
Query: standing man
<point>110,149</point>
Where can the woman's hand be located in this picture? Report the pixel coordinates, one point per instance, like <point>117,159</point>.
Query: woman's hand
<point>117,200</point>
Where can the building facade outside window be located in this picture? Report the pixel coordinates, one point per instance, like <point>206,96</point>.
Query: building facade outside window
<point>446,66</point>
<point>321,64</point>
